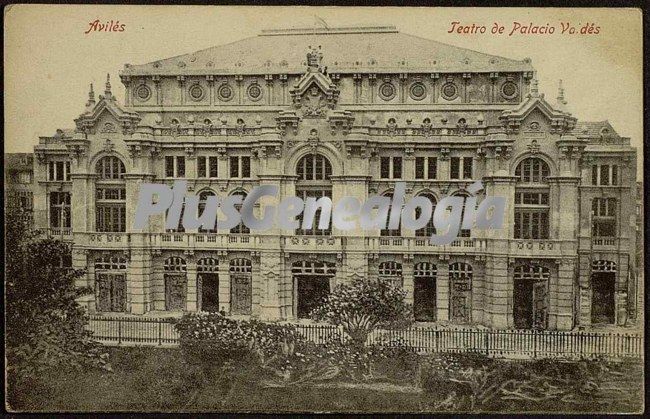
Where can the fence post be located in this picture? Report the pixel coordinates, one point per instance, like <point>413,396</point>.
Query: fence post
<point>159,332</point>
<point>534,344</point>
<point>119,331</point>
<point>487,342</point>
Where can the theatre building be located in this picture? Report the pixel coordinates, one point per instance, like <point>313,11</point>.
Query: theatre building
<point>346,112</point>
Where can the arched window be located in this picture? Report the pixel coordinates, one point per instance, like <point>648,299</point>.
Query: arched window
<point>311,284</point>
<point>460,292</point>
<point>110,168</point>
<point>424,292</point>
<point>110,284</point>
<point>603,291</point>
<point>463,232</point>
<point>532,199</point>
<point>314,172</point>
<point>241,284</point>
<point>207,284</point>
<point>386,231</point>
<point>110,195</point>
<point>429,229</point>
<point>175,274</point>
<point>203,197</point>
<point>391,272</point>
<point>241,228</point>
<point>532,170</point>
<point>530,296</point>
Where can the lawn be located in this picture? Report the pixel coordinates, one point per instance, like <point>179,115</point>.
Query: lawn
<point>156,379</point>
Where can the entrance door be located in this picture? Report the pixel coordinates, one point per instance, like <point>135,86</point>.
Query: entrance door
<point>242,294</point>
<point>209,291</point>
<point>424,299</point>
<point>111,292</point>
<point>311,291</point>
<point>175,291</point>
<point>523,303</point>
<point>602,299</point>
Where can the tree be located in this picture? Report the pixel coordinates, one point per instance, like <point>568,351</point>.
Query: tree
<point>45,325</point>
<point>364,306</point>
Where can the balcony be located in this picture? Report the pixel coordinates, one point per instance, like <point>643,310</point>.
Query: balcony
<point>418,244</point>
<point>548,248</point>
<point>313,244</point>
<point>102,240</point>
<point>60,233</point>
<point>204,241</point>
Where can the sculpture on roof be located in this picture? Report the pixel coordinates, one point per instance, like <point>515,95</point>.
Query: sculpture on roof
<point>314,58</point>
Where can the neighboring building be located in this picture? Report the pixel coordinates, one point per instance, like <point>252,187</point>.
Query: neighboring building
<point>347,112</point>
<point>19,183</point>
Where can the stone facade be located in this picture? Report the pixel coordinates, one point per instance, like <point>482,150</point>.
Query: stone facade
<point>347,112</point>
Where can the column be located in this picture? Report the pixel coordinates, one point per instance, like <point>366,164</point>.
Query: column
<point>224,282</point>
<point>138,280</point>
<point>561,298</point>
<point>584,282</point>
<point>271,264</point>
<point>498,293</point>
<point>407,277</point>
<point>442,290</point>
<point>80,261</point>
<point>191,283</point>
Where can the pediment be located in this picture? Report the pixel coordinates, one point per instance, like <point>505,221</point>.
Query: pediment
<point>536,114</point>
<point>315,93</point>
<point>107,117</point>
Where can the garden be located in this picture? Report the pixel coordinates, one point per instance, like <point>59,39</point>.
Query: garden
<point>227,365</point>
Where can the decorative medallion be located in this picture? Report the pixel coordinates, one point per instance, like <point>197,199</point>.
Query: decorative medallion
<point>449,91</point>
<point>418,91</point>
<point>509,90</point>
<point>196,92</point>
<point>143,92</point>
<point>387,91</point>
<point>254,92</point>
<point>225,92</point>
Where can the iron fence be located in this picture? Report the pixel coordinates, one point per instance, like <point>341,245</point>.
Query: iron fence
<point>131,331</point>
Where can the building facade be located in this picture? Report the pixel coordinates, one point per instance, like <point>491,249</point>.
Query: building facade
<point>19,181</point>
<point>347,112</point>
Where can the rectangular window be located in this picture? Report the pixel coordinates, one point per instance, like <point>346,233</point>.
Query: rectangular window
<point>397,167</point>
<point>385,168</point>
<point>604,174</point>
<point>531,224</point>
<point>174,166</point>
<point>180,166</point>
<point>169,166</point>
<point>614,175</point>
<point>234,166</point>
<point>432,168</point>
<point>58,170</point>
<point>111,218</point>
<point>240,167</point>
<point>467,167</point>
<point>60,214</point>
<point>214,172</point>
<point>594,175</point>
<point>201,166</point>
<point>245,167</point>
<point>25,177</point>
<point>454,172</point>
<point>419,167</point>
<point>391,168</point>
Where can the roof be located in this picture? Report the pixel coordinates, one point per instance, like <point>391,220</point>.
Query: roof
<point>593,129</point>
<point>18,161</point>
<point>352,49</point>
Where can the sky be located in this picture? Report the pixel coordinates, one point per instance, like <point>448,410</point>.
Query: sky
<point>49,62</point>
